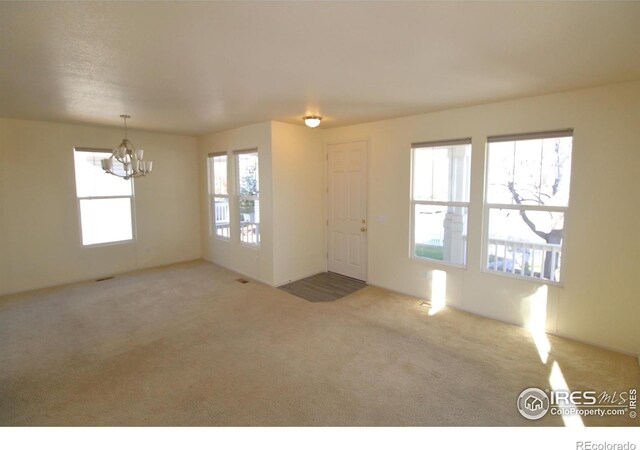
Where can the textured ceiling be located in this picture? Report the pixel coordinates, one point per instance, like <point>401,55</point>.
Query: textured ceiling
<point>197,67</point>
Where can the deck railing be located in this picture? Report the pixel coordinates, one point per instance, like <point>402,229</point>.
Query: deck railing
<point>221,211</point>
<point>221,216</point>
<point>249,227</point>
<point>524,258</point>
<point>250,233</point>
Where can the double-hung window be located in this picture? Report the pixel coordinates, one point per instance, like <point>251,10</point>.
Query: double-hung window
<point>219,196</point>
<point>105,202</point>
<point>527,200</point>
<point>440,200</point>
<point>248,197</point>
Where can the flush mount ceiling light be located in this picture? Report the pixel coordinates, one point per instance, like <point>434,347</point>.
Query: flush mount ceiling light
<point>128,160</point>
<point>312,121</point>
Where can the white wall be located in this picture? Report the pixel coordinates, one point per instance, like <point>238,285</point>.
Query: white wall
<point>599,302</point>
<point>291,203</point>
<point>40,243</point>
<point>254,262</point>
<point>298,202</point>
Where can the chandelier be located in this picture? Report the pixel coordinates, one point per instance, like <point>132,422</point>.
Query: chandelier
<point>128,160</point>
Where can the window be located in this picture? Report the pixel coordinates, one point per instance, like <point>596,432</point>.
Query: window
<point>219,196</point>
<point>248,196</point>
<point>440,200</point>
<point>526,206</point>
<point>105,202</point>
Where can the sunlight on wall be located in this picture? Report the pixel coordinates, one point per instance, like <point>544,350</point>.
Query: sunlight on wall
<point>438,291</point>
<point>558,383</point>
<point>537,321</point>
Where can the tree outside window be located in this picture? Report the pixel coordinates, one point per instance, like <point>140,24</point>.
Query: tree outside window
<point>248,196</point>
<point>527,203</point>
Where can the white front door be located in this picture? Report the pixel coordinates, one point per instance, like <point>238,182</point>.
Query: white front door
<point>347,209</point>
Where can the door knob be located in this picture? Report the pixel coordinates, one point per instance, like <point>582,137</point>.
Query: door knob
<point>363,229</point>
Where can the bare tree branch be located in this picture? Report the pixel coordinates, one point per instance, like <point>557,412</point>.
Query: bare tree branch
<point>534,194</point>
<point>556,182</point>
<point>555,235</point>
<point>518,199</point>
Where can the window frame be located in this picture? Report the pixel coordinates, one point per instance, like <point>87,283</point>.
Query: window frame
<point>213,195</point>
<point>240,197</point>
<point>79,200</point>
<point>487,207</point>
<point>440,203</point>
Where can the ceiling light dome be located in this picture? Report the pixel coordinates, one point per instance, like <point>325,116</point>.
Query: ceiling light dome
<point>312,121</point>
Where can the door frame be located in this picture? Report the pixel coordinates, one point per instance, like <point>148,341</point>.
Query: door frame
<point>366,140</point>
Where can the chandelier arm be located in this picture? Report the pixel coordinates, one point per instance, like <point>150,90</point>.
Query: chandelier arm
<point>115,174</point>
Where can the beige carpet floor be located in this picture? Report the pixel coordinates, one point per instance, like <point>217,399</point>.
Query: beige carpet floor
<point>188,345</point>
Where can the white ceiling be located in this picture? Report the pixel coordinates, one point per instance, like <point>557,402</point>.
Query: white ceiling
<point>198,67</point>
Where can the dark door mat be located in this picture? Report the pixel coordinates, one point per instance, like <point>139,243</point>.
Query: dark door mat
<point>323,287</point>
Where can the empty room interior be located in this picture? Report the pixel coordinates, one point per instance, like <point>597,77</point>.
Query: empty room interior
<point>319,213</point>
